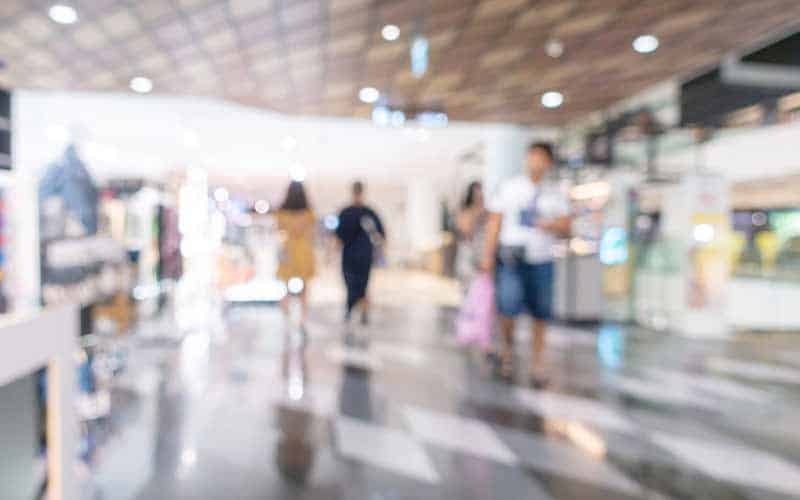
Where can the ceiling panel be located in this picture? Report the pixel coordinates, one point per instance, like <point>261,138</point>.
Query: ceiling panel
<point>487,57</point>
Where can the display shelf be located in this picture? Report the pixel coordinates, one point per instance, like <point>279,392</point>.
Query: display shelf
<point>48,339</point>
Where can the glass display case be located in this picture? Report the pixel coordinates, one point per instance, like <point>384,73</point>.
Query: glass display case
<point>766,244</point>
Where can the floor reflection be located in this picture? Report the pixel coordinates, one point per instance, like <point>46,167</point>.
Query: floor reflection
<point>266,408</point>
<point>294,452</point>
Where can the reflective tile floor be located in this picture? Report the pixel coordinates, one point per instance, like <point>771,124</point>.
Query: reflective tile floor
<point>242,406</point>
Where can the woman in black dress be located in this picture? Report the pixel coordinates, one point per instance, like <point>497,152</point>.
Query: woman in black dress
<point>360,231</point>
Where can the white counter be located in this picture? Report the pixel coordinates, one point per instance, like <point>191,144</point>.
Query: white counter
<point>48,339</point>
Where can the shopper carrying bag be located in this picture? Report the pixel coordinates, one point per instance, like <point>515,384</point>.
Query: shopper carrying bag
<point>476,318</point>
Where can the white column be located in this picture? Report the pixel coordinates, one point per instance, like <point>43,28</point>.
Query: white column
<point>423,215</point>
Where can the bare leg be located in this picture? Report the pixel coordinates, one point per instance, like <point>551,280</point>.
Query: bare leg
<point>303,305</point>
<point>507,354</point>
<point>538,344</point>
<point>285,305</point>
<point>365,310</point>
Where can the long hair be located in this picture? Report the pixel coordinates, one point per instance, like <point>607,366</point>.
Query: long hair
<point>296,198</point>
<point>469,199</point>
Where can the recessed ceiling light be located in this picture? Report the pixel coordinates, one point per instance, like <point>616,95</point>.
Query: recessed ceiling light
<point>554,48</point>
<point>390,32</point>
<point>63,14</point>
<point>141,85</point>
<point>369,95</point>
<point>645,44</point>
<point>552,99</point>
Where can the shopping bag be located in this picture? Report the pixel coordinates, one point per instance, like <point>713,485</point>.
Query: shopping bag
<point>476,318</point>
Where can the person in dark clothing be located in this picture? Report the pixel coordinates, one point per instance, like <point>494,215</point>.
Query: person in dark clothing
<point>361,233</point>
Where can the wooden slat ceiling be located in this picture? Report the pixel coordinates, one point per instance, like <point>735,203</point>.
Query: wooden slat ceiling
<point>487,58</point>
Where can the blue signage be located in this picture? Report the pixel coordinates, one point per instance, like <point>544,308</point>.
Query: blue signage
<point>614,246</point>
<point>419,56</point>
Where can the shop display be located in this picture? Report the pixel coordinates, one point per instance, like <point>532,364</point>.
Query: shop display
<point>77,264</point>
<point>38,442</point>
<point>708,266</point>
<point>170,264</point>
<point>577,288</point>
<point>4,251</point>
<point>766,244</point>
<point>5,129</point>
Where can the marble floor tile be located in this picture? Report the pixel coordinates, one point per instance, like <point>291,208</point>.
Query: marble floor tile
<point>566,460</point>
<point>735,463</point>
<point>390,449</point>
<point>715,386</point>
<point>398,411</point>
<point>566,407</point>
<point>662,392</point>
<point>761,372</point>
<point>458,433</point>
<point>353,357</point>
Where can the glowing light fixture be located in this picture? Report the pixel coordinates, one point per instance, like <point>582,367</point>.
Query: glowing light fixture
<point>331,222</point>
<point>295,285</point>
<point>432,119</point>
<point>63,14</point>
<point>591,190</point>
<point>645,44</point>
<point>390,32</point>
<point>221,195</point>
<point>189,457</point>
<point>419,56</point>
<point>552,99</point>
<point>554,48</point>
<point>704,233</point>
<point>369,95</point>
<point>141,85</point>
<point>261,206</point>
<point>398,118</point>
<point>381,116</point>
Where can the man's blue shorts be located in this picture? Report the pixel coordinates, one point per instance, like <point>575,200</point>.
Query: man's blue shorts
<point>524,286</point>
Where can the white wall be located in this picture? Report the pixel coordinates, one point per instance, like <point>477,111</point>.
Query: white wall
<point>153,134</point>
<point>124,135</point>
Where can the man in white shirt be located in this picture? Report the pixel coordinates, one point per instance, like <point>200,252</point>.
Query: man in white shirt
<point>526,218</point>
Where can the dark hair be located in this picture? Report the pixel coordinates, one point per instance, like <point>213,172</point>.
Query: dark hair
<point>296,198</point>
<point>547,147</point>
<point>469,199</point>
<point>358,188</point>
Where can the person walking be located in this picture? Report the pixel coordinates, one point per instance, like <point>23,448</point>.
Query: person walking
<point>361,234</point>
<point>297,225</point>
<point>526,218</point>
<point>471,225</point>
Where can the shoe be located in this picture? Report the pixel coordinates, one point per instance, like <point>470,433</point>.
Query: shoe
<point>506,367</point>
<point>539,378</point>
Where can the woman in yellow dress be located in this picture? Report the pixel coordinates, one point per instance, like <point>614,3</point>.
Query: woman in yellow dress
<point>297,225</point>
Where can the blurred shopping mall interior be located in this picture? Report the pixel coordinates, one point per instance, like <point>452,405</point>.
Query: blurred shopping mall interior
<point>399,249</point>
